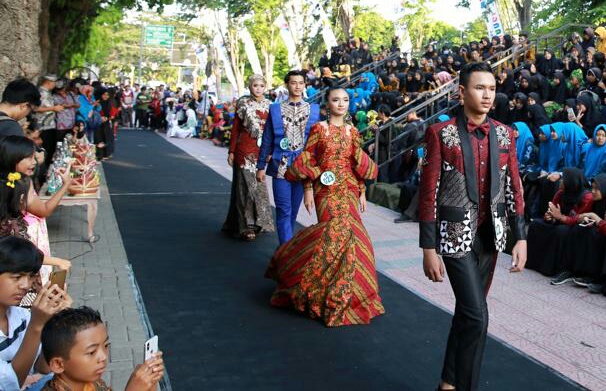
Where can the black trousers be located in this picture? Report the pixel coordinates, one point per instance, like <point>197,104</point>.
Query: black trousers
<point>49,143</point>
<point>470,278</point>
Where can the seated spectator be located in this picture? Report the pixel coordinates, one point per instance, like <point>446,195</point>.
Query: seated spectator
<point>537,116</point>
<point>559,90</point>
<point>548,64</point>
<point>589,116</point>
<point>19,99</point>
<point>501,110</point>
<point>586,247</point>
<point>595,83</point>
<point>20,329</point>
<point>593,159</point>
<point>547,238</point>
<point>526,150</point>
<point>76,346</point>
<point>600,34</point>
<point>506,83</point>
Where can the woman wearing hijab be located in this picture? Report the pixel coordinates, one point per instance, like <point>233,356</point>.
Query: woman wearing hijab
<point>547,64</point>
<point>593,159</point>
<point>526,150</point>
<point>559,90</point>
<point>527,82</point>
<point>589,116</point>
<point>520,112</point>
<point>501,111</point>
<point>595,83</point>
<point>547,238</point>
<point>506,83</point>
<point>552,158</point>
<point>536,112</point>
<point>585,248</point>
<point>587,253</point>
<point>600,42</point>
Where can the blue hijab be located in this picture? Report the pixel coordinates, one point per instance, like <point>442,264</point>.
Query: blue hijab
<point>574,138</point>
<point>369,82</point>
<point>595,156</point>
<point>524,135</point>
<point>443,117</point>
<point>551,152</point>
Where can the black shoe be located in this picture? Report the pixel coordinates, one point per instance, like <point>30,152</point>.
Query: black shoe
<point>583,281</point>
<point>403,219</point>
<point>595,288</point>
<point>562,278</point>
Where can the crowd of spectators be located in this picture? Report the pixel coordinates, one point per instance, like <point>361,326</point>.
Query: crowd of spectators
<point>35,313</point>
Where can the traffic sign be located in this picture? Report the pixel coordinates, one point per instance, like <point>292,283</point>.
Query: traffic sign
<point>159,35</point>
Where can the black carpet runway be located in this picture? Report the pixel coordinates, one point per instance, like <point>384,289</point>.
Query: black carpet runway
<point>209,303</point>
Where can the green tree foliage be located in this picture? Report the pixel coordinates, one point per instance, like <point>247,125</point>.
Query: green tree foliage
<point>552,14</point>
<point>65,26</point>
<point>374,29</point>
<point>475,30</point>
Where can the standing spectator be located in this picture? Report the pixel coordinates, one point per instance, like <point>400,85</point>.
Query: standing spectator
<point>127,99</point>
<point>46,116</point>
<point>66,119</point>
<point>88,112</point>
<point>19,98</point>
<point>143,101</point>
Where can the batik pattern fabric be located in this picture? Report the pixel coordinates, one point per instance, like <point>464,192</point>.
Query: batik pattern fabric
<point>295,116</point>
<point>249,206</point>
<point>327,271</point>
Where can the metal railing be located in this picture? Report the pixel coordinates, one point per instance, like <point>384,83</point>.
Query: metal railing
<point>354,77</point>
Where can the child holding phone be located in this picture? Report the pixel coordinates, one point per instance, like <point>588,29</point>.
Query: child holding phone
<point>76,345</point>
<point>20,260</point>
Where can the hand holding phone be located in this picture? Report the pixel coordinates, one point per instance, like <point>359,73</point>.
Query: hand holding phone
<point>150,347</point>
<point>58,278</point>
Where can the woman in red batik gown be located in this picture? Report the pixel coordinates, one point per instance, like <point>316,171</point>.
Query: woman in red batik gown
<point>327,270</point>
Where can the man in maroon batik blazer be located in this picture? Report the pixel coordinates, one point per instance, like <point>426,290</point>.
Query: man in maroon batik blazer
<point>470,194</point>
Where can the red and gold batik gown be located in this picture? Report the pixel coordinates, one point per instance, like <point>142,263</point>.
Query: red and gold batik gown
<point>327,270</point>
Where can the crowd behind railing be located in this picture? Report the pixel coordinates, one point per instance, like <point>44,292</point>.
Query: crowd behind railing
<point>554,99</point>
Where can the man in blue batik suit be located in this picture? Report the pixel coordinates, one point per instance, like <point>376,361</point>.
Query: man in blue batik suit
<point>284,138</point>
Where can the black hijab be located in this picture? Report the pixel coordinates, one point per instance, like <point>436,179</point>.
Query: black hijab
<point>559,93</point>
<point>592,116</point>
<point>538,115</point>
<point>574,188</point>
<point>509,84</point>
<point>501,110</point>
<point>520,115</point>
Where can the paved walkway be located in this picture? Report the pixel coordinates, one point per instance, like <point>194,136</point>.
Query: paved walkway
<point>101,278</point>
<point>563,327</point>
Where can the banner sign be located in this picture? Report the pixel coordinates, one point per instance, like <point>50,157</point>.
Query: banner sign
<point>491,16</point>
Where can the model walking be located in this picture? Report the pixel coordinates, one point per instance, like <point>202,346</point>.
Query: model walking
<point>327,271</point>
<point>249,209</point>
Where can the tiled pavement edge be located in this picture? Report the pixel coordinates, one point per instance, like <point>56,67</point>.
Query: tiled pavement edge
<point>103,279</point>
<point>562,327</point>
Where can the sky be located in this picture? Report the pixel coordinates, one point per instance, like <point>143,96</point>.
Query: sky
<point>444,10</point>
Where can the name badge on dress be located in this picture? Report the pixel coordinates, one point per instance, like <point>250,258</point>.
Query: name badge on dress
<point>259,142</point>
<point>285,144</point>
<point>328,178</point>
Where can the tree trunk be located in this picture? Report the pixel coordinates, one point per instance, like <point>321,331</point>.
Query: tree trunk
<point>524,9</point>
<point>19,41</point>
<point>346,17</point>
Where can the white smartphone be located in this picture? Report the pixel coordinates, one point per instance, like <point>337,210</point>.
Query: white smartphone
<point>150,347</point>
<point>571,113</point>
